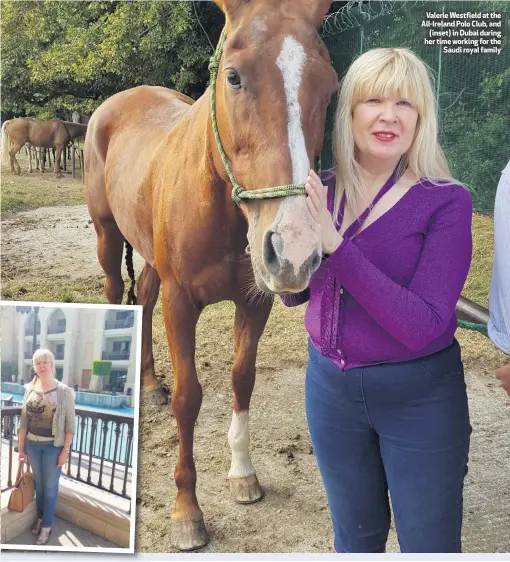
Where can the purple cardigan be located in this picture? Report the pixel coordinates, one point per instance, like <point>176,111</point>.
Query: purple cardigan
<point>389,294</point>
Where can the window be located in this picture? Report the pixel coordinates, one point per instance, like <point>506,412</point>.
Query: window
<point>117,380</point>
<point>60,348</point>
<point>123,315</point>
<point>61,323</point>
<point>124,319</point>
<point>60,373</point>
<point>120,346</point>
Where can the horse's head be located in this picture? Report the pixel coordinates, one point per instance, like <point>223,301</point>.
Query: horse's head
<point>275,81</point>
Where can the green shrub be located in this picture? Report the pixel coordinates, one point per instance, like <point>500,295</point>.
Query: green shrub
<point>101,368</point>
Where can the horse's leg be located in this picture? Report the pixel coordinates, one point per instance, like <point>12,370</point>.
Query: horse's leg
<point>38,158</point>
<point>148,290</point>
<point>15,167</point>
<point>110,246</point>
<point>181,317</point>
<point>58,155</point>
<point>29,154</point>
<point>250,321</point>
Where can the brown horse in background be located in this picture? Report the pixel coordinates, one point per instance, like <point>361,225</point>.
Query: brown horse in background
<point>47,134</point>
<point>155,181</point>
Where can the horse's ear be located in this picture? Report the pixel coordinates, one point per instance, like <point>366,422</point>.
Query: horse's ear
<point>317,9</point>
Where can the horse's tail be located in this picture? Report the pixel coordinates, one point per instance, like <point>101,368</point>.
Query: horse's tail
<point>6,145</point>
<point>131,272</point>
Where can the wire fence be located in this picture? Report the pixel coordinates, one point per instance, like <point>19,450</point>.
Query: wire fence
<point>472,88</point>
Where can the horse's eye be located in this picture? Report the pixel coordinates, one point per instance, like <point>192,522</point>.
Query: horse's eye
<point>233,79</point>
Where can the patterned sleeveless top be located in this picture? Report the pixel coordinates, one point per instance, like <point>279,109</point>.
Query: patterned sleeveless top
<point>40,407</point>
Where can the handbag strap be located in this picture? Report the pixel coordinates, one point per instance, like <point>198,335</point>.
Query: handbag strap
<point>22,471</point>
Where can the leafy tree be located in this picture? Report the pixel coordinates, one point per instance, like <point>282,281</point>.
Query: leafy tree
<point>74,55</point>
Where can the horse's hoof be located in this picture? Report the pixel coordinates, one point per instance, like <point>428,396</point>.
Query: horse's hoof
<point>189,535</point>
<point>157,396</point>
<point>246,490</point>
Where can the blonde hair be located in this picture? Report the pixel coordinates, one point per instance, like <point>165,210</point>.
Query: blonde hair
<point>42,354</point>
<point>382,73</point>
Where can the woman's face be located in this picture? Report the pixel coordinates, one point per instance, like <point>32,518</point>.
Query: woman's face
<point>43,367</point>
<point>383,129</point>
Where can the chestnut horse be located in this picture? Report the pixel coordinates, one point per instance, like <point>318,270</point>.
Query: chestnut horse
<point>47,134</point>
<point>155,180</point>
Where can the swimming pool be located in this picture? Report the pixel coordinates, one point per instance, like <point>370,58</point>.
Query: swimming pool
<point>18,399</point>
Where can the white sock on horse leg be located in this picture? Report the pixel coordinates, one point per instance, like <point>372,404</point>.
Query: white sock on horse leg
<point>239,441</point>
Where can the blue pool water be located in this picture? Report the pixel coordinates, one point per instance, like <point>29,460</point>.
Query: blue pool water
<point>18,399</point>
<point>105,434</point>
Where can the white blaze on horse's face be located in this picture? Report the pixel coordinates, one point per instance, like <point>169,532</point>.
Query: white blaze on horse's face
<point>290,62</point>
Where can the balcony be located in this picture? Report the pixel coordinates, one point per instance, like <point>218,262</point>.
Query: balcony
<point>116,355</point>
<point>56,330</point>
<point>119,324</point>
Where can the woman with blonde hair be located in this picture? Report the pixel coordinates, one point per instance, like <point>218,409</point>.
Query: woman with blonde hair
<point>45,435</point>
<point>386,399</point>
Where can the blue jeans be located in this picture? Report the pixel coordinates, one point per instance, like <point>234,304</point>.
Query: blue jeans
<point>43,459</point>
<point>399,427</point>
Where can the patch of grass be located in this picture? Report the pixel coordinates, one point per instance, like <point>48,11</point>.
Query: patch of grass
<point>478,282</point>
<point>54,290</point>
<point>31,191</point>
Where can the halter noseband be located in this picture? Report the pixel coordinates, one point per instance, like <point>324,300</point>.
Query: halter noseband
<point>238,191</point>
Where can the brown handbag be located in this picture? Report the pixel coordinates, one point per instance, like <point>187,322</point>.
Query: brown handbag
<point>24,490</point>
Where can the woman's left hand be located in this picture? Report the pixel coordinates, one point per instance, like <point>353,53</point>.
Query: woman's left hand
<point>317,204</point>
<point>62,458</point>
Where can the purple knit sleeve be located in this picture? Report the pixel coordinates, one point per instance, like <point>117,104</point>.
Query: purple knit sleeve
<point>419,313</point>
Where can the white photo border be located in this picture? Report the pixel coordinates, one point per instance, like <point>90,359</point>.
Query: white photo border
<point>139,310</point>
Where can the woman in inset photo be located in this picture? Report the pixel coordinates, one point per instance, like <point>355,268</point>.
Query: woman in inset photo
<point>46,432</point>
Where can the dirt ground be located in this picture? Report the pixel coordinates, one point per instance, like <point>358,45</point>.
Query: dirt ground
<point>57,243</point>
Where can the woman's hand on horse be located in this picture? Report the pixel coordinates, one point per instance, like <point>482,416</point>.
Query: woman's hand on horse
<point>317,204</point>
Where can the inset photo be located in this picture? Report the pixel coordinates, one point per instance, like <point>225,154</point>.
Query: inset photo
<point>69,431</point>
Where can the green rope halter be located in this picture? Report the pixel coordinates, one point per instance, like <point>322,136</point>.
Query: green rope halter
<point>238,191</point>
<point>482,328</point>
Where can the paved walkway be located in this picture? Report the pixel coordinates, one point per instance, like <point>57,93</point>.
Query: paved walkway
<point>67,535</point>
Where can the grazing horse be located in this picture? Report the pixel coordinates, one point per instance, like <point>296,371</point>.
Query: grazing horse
<point>47,134</point>
<point>156,180</point>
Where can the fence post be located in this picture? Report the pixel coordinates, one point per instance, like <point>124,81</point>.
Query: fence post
<point>73,161</point>
<point>82,166</point>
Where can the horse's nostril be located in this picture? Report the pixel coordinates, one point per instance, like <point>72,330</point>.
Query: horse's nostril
<point>272,248</point>
<point>316,261</point>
